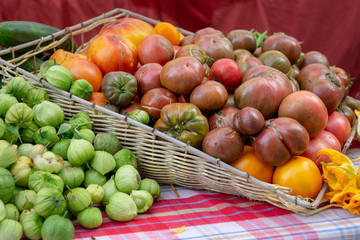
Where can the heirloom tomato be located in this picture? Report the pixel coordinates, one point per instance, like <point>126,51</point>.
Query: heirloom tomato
<point>182,75</point>
<point>131,29</point>
<point>301,175</point>
<point>119,88</point>
<point>155,49</point>
<point>249,162</point>
<point>227,72</point>
<point>184,122</point>
<point>111,53</point>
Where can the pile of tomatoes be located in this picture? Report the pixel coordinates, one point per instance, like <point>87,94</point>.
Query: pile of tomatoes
<point>260,105</point>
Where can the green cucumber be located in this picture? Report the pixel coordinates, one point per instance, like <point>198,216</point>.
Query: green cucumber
<point>13,33</point>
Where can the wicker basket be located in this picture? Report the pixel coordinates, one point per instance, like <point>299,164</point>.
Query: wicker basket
<point>168,160</point>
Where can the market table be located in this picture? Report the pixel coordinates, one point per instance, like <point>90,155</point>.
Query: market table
<point>209,215</point>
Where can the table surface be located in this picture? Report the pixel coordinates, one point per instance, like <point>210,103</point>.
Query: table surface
<point>209,215</point>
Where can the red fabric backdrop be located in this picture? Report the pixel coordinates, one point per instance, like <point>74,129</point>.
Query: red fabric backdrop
<point>328,26</point>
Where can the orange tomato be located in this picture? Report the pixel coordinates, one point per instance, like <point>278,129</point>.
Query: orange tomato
<point>168,31</point>
<point>60,55</point>
<point>98,98</point>
<point>248,162</point>
<point>84,69</point>
<point>301,175</point>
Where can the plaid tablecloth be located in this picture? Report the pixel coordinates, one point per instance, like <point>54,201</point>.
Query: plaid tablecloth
<point>208,215</point>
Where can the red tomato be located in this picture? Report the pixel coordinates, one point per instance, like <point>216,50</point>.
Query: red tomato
<point>340,126</point>
<point>148,77</point>
<point>227,72</point>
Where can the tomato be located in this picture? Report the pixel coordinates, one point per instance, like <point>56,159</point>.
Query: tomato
<point>216,47</point>
<point>155,99</point>
<point>340,126</point>
<point>128,109</point>
<point>227,72</point>
<point>183,121</point>
<point>155,49</point>
<point>239,53</point>
<point>247,62</point>
<point>60,55</point>
<point>279,140</point>
<point>206,31</point>
<point>119,88</point>
<point>84,69</point>
<point>195,51</point>
<point>224,143</point>
<point>259,80</point>
<point>209,96</point>
<point>130,29</point>
<point>249,162</point>
<point>313,57</point>
<point>277,60</point>
<point>301,175</point>
<point>186,40</point>
<point>223,118</point>
<point>111,53</point>
<point>182,75</point>
<point>307,109</point>
<point>248,121</point>
<point>242,39</point>
<point>98,98</point>
<point>148,77</point>
<point>168,31</point>
<point>286,44</point>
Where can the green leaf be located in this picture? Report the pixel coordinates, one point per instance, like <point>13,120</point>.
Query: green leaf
<point>77,134</point>
<point>14,129</point>
<point>64,127</point>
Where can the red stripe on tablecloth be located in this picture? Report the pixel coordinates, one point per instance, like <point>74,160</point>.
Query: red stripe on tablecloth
<point>201,209</point>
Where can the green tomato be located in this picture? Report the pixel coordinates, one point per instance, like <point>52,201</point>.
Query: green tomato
<point>59,77</point>
<point>125,157</point>
<point>82,89</point>
<point>71,175</point>
<point>19,114</point>
<point>27,134</point>
<point>32,224</point>
<point>107,142</point>
<point>10,230</point>
<point>121,207</point>
<point>48,114</point>
<point>46,136</point>
<point>57,227</point>
<point>127,178</point>
<point>18,87</point>
<point>8,153</point>
<point>78,199</point>
<point>140,116</point>
<point>35,96</point>
<point>61,148</point>
<point>90,217</point>
<point>143,200</point>
<point>80,152</point>
<point>151,186</point>
<point>94,177</point>
<point>49,202</point>
<point>103,162</point>
<point>11,212</point>
<point>40,179</point>
<point>7,185</point>
<point>6,101</point>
